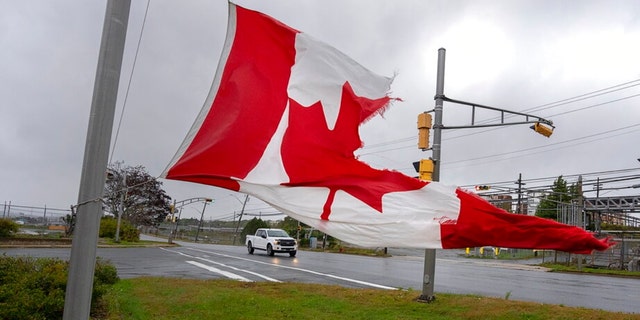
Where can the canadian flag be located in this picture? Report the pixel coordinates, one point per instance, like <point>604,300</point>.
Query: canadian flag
<point>281,123</point>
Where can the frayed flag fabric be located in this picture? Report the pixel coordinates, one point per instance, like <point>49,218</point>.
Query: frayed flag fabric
<point>281,124</point>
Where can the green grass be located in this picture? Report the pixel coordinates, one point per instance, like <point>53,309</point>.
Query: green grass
<point>351,250</point>
<point>171,298</point>
<point>139,243</point>
<point>584,269</point>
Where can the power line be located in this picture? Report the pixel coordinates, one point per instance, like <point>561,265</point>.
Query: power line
<point>567,177</point>
<point>553,115</point>
<point>551,144</point>
<point>546,106</point>
<point>126,95</point>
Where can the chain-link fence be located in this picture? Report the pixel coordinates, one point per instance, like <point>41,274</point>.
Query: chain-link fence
<point>34,215</point>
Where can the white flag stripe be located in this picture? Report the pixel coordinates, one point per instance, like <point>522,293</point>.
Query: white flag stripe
<point>417,213</point>
<point>319,73</point>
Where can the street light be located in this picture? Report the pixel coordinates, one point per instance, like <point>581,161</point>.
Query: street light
<point>179,205</point>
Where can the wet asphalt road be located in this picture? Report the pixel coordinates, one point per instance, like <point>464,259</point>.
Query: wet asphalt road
<point>404,269</point>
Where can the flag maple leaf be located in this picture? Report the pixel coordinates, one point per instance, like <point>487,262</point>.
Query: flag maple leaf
<point>315,156</point>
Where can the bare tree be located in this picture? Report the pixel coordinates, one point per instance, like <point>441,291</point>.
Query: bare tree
<point>144,202</point>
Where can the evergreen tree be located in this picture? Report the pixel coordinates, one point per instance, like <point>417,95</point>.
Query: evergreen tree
<point>290,225</point>
<point>560,193</point>
<point>251,227</point>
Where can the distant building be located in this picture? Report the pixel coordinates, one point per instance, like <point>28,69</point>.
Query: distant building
<point>501,201</point>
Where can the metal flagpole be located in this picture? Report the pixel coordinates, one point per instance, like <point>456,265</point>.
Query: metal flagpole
<point>77,302</point>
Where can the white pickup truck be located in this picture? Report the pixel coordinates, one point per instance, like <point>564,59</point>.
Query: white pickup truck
<point>272,241</point>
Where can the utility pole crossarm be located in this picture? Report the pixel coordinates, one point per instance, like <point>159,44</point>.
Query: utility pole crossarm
<point>529,118</point>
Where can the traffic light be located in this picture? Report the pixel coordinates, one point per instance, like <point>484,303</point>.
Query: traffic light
<point>480,188</point>
<point>542,129</point>
<point>424,125</point>
<point>425,170</point>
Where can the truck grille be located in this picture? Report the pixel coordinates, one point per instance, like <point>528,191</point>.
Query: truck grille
<point>287,243</point>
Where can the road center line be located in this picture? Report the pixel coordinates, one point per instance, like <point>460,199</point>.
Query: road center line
<point>224,265</point>
<point>222,272</point>
<point>375,285</point>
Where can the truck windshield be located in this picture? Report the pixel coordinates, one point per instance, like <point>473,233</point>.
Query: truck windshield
<point>277,233</point>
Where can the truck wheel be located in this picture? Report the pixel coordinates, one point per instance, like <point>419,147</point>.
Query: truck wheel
<point>270,250</point>
<point>292,254</point>
<point>250,248</point>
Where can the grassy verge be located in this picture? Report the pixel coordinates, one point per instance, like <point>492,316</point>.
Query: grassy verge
<point>584,269</point>
<point>140,243</point>
<point>352,250</point>
<point>170,298</point>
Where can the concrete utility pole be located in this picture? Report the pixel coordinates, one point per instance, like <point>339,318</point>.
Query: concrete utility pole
<point>121,207</point>
<point>77,303</point>
<point>520,184</point>
<point>201,217</point>
<point>580,221</point>
<point>244,204</point>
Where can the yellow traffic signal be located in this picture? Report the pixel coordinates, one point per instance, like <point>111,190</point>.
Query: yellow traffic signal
<point>425,170</point>
<point>424,125</point>
<point>542,129</point>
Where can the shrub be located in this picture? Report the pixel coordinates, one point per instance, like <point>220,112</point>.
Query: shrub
<point>8,227</point>
<point>128,232</point>
<point>34,288</point>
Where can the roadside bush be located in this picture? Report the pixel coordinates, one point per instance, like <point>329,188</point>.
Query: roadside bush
<point>34,288</point>
<point>8,227</point>
<point>128,232</point>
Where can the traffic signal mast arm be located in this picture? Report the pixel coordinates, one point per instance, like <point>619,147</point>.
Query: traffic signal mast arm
<point>182,203</point>
<point>529,118</point>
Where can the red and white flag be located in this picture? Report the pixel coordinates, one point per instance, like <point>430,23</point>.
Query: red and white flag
<point>281,123</point>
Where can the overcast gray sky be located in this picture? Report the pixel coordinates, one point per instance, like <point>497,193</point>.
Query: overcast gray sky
<point>517,55</point>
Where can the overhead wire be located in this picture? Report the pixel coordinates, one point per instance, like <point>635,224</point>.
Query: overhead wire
<point>547,146</point>
<point>546,183</point>
<point>558,103</point>
<point>126,95</point>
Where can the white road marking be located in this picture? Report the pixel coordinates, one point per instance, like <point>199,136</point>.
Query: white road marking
<point>224,265</point>
<point>375,285</point>
<point>222,272</point>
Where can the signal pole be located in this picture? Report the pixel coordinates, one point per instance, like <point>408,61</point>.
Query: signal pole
<point>540,125</point>
<point>430,254</point>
